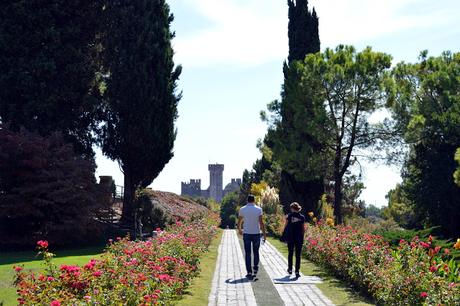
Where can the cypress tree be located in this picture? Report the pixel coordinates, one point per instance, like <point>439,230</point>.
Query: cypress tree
<point>302,30</point>
<point>300,180</point>
<point>48,68</point>
<point>141,93</point>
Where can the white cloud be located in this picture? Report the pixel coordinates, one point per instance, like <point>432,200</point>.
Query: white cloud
<point>243,33</point>
<point>355,21</point>
<point>253,32</point>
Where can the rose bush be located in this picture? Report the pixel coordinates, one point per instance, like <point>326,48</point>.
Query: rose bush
<point>153,272</point>
<point>414,273</point>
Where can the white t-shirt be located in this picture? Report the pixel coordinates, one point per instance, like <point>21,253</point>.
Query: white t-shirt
<point>251,213</point>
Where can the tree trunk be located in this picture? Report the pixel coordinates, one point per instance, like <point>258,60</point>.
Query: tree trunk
<point>338,198</point>
<point>338,187</point>
<point>127,215</point>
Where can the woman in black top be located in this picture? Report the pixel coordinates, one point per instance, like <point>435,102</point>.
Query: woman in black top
<point>295,231</point>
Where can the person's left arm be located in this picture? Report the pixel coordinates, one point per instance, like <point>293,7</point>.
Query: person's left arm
<point>286,221</point>
<point>262,226</point>
<point>304,226</point>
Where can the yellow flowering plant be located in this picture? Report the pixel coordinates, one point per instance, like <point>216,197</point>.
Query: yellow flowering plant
<point>457,244</point>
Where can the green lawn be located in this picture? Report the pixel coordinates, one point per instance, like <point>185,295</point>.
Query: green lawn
<point>31,262</point>
<point>337,291</point>
<point>198,293</point>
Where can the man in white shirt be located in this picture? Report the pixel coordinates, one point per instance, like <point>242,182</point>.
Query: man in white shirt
<point>250,216</point>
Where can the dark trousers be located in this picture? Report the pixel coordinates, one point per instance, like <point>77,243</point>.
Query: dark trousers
<point>297,247</point>
<point>251,241</point>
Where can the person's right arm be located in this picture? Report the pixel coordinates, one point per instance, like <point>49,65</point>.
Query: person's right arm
<point>240,222</point>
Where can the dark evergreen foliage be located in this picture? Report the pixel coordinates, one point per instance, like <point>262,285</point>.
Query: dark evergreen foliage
<point>299,180</point>
<point>427,183</point>
<point>305,192</point>
<point>302,30</point>
<point>48,68</point>
<point>46,191</point>
<point>141,93</point>
<point>427,111</point>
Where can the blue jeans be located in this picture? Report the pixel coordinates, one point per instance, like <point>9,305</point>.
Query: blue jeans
<point>254,241</point>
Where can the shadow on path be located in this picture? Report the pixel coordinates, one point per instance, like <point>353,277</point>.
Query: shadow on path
<point>239,281</point>
<point>286,279</point>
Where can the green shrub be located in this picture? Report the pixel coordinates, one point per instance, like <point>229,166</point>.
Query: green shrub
<point>274,224</point>
<point>229,210</point>
<point>394,236</point>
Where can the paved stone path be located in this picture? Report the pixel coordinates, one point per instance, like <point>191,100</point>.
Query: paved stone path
<point>292,294</point>
<point>230,287</point>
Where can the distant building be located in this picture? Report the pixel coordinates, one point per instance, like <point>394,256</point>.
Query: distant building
<point>216,190</point>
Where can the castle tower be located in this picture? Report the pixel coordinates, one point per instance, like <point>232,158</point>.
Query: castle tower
<point>216,181</point>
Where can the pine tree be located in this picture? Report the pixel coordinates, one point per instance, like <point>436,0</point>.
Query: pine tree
<point>48,68</point>
<point>141,93</point>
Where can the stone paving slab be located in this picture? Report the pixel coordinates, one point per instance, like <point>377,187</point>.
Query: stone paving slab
<point>300,294</point>
<point>229,286</point>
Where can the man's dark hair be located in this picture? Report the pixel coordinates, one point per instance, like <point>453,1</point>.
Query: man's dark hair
<point>251,198</point>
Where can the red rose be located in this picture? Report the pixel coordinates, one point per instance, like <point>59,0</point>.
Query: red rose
<point>424,294</point>
<point>424,244</point>
<point>55,303</point>
<point>42,244</point>
<point>97,273</point>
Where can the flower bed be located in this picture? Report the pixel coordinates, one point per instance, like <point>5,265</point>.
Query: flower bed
<point>153,272</point>
<point>415,273</point>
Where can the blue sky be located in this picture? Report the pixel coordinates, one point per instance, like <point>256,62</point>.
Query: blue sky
<point>232,53</point>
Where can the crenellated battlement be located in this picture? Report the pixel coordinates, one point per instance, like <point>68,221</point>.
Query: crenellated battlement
<point>236,181</point>
<point>192,188</point>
